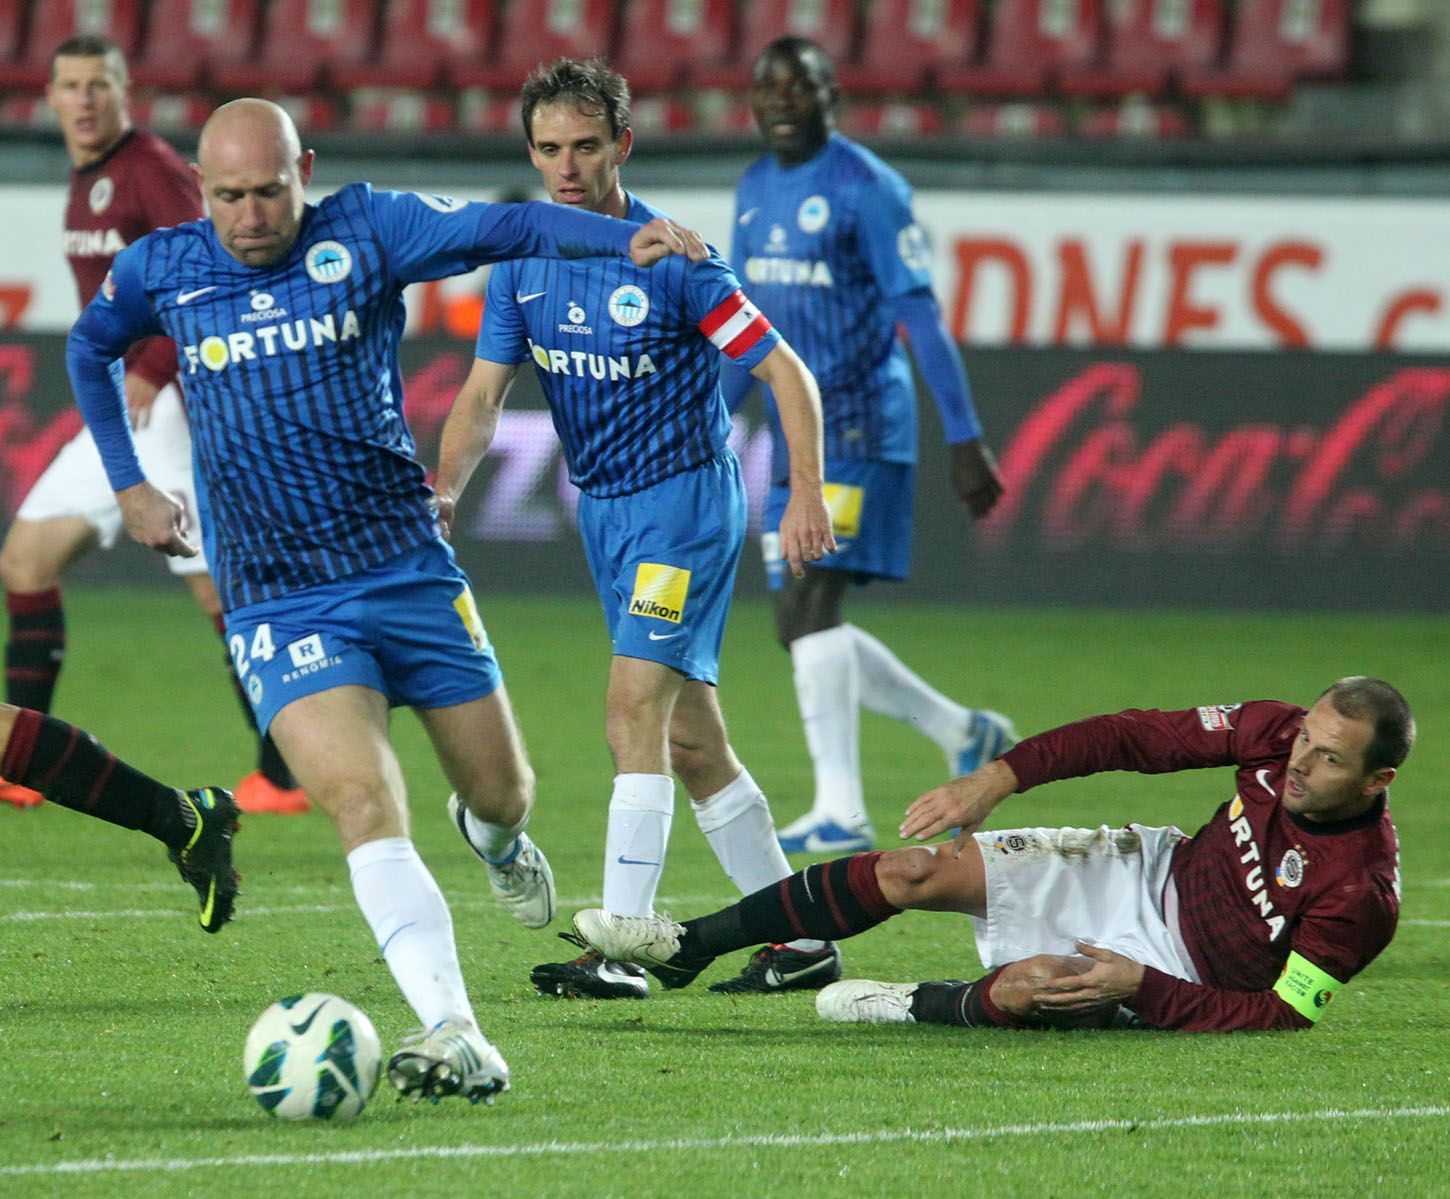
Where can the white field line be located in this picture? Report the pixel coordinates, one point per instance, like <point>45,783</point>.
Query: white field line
<point>705,1144</point>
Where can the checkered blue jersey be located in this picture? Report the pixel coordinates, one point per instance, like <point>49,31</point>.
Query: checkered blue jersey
<point>628,358</point>
<point>305,467</point>
<point>823,246</point>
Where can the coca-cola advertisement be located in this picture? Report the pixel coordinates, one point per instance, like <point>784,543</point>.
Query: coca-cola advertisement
<point>1248,479</point>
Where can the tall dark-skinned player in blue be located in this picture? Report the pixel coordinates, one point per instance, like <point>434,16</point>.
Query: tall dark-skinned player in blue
<point>630,363</point>
<point>827,245</point>
<point>342,600</point>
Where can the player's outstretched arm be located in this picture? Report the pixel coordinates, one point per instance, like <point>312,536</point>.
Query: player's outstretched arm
<point>468,433</point>
<point>805,526</point>
<point>662,237</point>
<point>962,803</point>
<point>154,519</point>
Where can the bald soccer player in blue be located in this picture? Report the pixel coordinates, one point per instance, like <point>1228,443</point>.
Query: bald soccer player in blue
<point>630,363</point>
<point>341,597</point>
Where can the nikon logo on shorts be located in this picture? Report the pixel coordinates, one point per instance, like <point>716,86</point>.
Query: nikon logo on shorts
<point>844,501</point>
<point>660,591</point>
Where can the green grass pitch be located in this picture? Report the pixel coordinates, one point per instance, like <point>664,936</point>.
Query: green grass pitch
<point>121,1024</point>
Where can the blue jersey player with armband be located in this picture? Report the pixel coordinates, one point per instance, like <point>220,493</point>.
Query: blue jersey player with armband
<point>826,242</point>
<point>341,597</point>
<point>630,363</point>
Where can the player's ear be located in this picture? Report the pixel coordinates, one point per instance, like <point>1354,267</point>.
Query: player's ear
<point>304,167</point>
<point>625,142</point>
<point>195,168</point>
<point>1376,781</point>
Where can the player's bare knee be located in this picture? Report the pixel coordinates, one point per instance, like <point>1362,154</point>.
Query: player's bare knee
<point>907,874</point>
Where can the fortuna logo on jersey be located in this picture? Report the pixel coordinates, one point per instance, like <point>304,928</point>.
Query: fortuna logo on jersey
<point>91,243</point>
<point>1243,834</point>
<point>578,364</point>
<point>798,272</point>
<point>216,352</point>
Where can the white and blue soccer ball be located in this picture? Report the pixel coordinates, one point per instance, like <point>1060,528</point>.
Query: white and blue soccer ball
<point>313,1057</point>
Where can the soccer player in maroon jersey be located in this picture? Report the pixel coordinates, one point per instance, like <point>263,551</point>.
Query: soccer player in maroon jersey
<point>1254,922</point>
<point>125,182</point>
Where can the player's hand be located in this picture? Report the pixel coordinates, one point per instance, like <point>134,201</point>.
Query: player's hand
<point>975,478</point>
<point>805,529</point>
<point>663,237</point>
<point>443,506</point>
<point>964,803</point>
<point>140,397</point>
<point>155,520</point>
<point>1111,981</point>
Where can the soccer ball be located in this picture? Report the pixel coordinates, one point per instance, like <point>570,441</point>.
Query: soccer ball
<point>312,1057</point>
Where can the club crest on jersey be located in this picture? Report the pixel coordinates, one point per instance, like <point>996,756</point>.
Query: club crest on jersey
<point>628,305</point>
<point>813,214</point>
<point>108,288</point>
<point>1291,868</point>
<point>912,246</point>
<point>103,191</point>
<point>328,262</point>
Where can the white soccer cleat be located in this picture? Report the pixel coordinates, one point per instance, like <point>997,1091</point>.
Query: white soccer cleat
<point>645,940</point>
<point>864,1001</point>
<point>454,1059</point>
<point>987,735</point>
<point>524,885</point>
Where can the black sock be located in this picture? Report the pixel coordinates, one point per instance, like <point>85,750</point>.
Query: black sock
<point>824,902</point>
<point>269,758</point>
<point>966,1005</point>
<point>35,649</point>
<point>71,768</point>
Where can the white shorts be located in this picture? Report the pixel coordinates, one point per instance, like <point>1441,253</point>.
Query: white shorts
<point>75,483</point>
<point>1049,887</point>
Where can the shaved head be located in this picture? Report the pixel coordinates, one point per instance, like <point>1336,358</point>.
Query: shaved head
<point>253,171</point>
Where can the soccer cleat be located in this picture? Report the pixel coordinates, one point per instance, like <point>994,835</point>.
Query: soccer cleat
<point>205,861</point>
<point>988,734</point>
<point>523,885</point>
<point>649,941</point>
<point>590,976</point>
<point>781,968</point>
<point>454,1059</point>
<point>862,1001</point>
<point>257,794</point>
<point>20,797</point>
<point>825,836</point>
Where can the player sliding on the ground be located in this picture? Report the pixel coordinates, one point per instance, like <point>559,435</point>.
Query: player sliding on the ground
<point>1255,922</point>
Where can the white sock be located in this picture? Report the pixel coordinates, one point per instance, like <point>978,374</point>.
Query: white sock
<point>413,929</point>
<point>634,847</point>
<point>736,821</point>
<point>828,690</point>
<point>890,687</point>
<point>497,842</point>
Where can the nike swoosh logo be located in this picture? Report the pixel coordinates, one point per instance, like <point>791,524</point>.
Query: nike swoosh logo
<point>747,215</point>
<point>1263,777</point>
<point>663,636</point>
<point>301,1029</point>
<point>624,861</point>
<point>186,297</point>
<point>524,299</point>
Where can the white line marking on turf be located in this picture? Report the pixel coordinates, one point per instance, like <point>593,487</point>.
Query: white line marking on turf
<point>765,1141</point>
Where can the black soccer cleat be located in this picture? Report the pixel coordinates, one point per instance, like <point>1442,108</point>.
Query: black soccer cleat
<point>781,968</point>
<point>590,976</point>
<point>205,861</point>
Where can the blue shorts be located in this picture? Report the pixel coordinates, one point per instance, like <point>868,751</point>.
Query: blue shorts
<point>871,508</point>
<point>664,562</point>
<point>408,628</point>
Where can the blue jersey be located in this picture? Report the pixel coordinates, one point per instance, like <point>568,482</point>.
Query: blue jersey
<point>823,247</point>
<point>628,358</point>
<point>305,465</point>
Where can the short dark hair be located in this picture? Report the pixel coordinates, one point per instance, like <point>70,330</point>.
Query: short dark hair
<point>1360,697</point>
<point>90,45</point>
<point>802,50</point>
<point>589,84</point>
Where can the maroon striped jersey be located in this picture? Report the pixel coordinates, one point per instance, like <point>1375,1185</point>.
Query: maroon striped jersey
<point>140,185</point>
<point>1256,882</point>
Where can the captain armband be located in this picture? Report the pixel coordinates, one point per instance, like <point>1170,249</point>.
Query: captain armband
<point>1306,988</point>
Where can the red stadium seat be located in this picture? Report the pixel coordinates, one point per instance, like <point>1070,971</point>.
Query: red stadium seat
<point>302,41</point>
<point>171,110</point>
<point>400,110</point>
<point>830,23</point>
<point>891,119</point>
<point>12,22</point>
<point>1134,119</point>
<point>537,31</point>
<point>722,112</point>
<point>1030,43</point>
<point>664,42</point>
<point>186,39</point>
<point>1012,120</point>
<point>1274,44</point>
<point>482,111</point>
<point>905,41</point>
<point>1149,43</point>
<point>52,21</point>
<point>420,40</point>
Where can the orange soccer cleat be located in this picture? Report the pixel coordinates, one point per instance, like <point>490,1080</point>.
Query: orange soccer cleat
<point>19,797</point>
<point>256,793</point>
